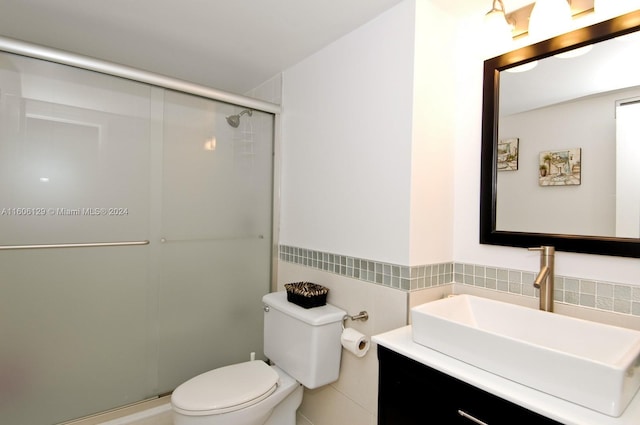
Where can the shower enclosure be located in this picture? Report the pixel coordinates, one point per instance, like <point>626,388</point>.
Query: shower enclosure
<point>135,237</point>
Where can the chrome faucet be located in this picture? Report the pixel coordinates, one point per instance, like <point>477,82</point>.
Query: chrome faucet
<point>544,281</point>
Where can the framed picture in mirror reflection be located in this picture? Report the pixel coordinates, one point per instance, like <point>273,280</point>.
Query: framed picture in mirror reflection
<point>508,154</point>
<point>560,167</point>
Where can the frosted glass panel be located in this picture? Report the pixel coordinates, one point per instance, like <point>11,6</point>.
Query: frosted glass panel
<point>216,225</point>
<point>210,306</point>
<point>73,171</point>
<point>217,179</point>
<point>73,326</point>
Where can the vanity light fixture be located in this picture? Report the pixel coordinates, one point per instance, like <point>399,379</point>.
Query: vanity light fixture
<point>541,18</point>
<point>497,27</point>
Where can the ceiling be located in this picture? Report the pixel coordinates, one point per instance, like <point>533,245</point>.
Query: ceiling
<point>230,45</point>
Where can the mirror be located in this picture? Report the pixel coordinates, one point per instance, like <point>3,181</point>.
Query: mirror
<point>554,171</point>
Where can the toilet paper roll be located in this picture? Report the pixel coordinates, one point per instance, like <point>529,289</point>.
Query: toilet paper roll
<point>354,342</point>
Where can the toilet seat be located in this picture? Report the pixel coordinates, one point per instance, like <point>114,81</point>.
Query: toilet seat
<point>225,389</point>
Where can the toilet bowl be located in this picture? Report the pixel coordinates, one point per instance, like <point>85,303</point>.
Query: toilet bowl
<point>304,346</point>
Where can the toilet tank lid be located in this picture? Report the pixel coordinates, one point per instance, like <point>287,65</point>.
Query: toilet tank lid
<point>315,316</point>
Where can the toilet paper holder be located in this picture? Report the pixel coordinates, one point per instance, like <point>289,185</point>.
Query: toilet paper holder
<point>352,340</point>
<point>363,315</point>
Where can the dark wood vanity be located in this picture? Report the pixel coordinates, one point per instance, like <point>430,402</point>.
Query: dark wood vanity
<point>411,393</point>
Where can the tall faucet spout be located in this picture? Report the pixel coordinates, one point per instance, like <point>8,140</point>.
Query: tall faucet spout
<point>542,275</point>
<point>545,279</point>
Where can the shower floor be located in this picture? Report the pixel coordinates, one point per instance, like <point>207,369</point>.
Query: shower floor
<point>153,412</point>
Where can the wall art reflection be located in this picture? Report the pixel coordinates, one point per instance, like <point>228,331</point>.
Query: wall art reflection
<point>560,168</point>
<point>508,155</point>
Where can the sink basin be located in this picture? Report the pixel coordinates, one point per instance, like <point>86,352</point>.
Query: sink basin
<point>587,363</point>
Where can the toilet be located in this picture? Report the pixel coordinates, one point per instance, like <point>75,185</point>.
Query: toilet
<point>304,348</point>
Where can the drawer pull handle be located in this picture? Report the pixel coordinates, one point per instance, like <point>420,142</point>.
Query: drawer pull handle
<point>471,418</point>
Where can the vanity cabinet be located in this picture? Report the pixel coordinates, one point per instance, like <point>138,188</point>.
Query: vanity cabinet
<point>411,393</point>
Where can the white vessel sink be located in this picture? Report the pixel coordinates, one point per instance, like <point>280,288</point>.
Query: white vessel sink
<point>587,363</point>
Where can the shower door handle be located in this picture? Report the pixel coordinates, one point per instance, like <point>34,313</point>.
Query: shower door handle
<point>74,245</point>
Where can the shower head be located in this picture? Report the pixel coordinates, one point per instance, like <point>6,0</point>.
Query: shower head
<point>234,120</point>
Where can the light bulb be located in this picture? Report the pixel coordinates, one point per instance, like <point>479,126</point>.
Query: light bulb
<point>497,31</point>
<point>549,18</point>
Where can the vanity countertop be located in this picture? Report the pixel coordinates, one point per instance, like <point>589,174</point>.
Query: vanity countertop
<point>400,341</point>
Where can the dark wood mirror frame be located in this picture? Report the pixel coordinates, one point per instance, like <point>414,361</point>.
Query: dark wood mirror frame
<point>623,247</point>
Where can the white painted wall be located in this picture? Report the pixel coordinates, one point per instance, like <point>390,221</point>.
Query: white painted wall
<point>432,171</point>
<point>368,141</point>
<point>346,146</point>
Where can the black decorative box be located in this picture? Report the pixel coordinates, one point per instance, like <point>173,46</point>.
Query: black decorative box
<point>306,294</point>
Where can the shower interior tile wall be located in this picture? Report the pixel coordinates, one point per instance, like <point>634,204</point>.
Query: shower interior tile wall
<point>606,296</point>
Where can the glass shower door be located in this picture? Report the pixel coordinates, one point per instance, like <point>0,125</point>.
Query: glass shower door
<point>216,233</point>
<point>74,169</point>
<point>88,159</point>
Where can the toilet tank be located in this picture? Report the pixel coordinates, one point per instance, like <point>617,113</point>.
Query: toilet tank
<point>305,343</point>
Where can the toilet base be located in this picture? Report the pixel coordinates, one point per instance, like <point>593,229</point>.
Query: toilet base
<point>285,412</point>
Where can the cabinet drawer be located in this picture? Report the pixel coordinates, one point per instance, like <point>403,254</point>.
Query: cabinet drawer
<point>411,393</point>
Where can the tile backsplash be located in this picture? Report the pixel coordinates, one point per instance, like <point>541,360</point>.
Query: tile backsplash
<point>386,274</point>
<point>607,296</point>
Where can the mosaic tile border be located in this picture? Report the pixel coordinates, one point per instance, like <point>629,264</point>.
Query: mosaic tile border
<point>607,296</point>
<point>392,275</point>
<point>600,295</point>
